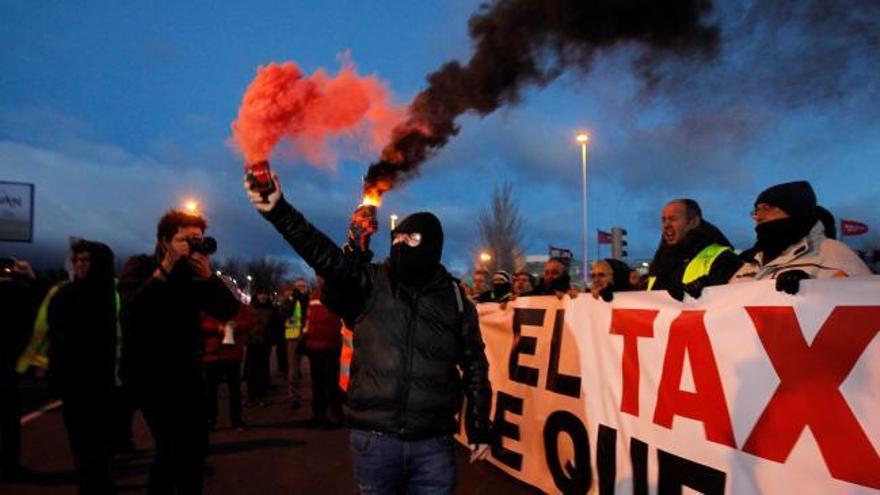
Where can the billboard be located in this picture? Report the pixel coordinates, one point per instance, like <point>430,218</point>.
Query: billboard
<point>16,212</point>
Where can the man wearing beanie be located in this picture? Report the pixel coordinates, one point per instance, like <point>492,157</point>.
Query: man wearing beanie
<point>692,253</point>
<point>791,242</point>
<point>417,349</point>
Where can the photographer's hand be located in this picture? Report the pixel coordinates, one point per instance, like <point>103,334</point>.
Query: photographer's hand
<point>172,256</point>
<point>200,264</point>
<point>264,204</point>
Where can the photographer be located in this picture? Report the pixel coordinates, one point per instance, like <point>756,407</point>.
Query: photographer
<point>162,297</point>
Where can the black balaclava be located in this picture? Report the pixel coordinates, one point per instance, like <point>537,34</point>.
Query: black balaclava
<point>503,289</point>
<point>799,201</point>
<point>414,266</point>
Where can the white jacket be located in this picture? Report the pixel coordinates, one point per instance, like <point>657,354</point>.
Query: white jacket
<point>817,255</point>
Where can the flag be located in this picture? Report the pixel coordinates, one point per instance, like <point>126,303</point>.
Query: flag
<point>603,237</point>
<point>851,227</point>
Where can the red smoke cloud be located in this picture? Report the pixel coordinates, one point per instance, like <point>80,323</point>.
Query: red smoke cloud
<point>310,111</point>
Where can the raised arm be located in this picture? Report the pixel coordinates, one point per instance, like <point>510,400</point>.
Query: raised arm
<point>318,250</point>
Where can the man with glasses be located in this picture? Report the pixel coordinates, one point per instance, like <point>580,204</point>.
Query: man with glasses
<point>417,348</point>
<point>609,276</point>
<point>791,242</point>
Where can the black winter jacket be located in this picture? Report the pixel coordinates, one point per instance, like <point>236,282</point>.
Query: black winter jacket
<point>162,335</point>
<point>408,346</point>
<point>82,331</point>
<point>670,262</point>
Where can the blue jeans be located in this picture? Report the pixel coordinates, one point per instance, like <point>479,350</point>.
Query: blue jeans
<point>387,465</point>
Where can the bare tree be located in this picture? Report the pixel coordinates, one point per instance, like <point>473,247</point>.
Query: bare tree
<point>501,231</point>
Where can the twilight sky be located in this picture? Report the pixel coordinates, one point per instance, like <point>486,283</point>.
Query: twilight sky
<point>118,111</point>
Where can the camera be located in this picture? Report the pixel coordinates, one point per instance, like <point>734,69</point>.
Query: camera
<point>202,245</point>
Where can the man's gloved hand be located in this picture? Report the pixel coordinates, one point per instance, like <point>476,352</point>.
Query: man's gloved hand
<point>676,291</point>
<point>790,281</point>
<point>694,288</point>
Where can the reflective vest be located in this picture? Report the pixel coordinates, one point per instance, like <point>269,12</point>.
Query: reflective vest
<point>37,351</point>
<point>293,325</point>
<point>700,266</point>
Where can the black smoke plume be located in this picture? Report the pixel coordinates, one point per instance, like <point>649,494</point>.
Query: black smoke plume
<point>524,43</point>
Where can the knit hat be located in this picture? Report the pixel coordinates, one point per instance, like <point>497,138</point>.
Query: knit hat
<point>795,198</point>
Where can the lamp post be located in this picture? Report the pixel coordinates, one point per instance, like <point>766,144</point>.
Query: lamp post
<point>393,222</point>
<point>191,206</point>
<point>582,138</point>
<point>485,258</point>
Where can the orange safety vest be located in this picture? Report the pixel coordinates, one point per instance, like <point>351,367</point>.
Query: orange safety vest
<point>345,357</point>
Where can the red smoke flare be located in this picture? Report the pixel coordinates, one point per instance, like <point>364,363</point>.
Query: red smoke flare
<point>282,102</point>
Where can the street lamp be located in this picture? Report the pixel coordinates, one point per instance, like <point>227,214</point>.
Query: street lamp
<point>582,138</point>
<point>485,258</point>
<point>393,222</point>
<point>191,206</point>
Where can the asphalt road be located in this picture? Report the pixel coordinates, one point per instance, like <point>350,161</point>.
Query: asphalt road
<point>277,454</point>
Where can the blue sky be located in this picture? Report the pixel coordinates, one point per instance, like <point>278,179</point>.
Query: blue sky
<point>117,111</point>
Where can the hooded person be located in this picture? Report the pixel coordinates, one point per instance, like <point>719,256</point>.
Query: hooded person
<point>502,286</point>
<point>692,253</point>
<point>267,324</point>
<point>416,355</point>
<point>791,241</point>
<point>416,248</point>
<point>609,276</point>
<point>82,320</point>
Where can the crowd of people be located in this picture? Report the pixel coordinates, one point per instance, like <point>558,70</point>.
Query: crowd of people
<point>795,240</point>
<point>159,337</point>
<point>393,347</point>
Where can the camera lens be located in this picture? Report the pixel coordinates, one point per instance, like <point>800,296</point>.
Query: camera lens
<point>209,245</point>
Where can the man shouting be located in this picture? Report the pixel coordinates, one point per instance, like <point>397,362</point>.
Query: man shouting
<point>417,347</point>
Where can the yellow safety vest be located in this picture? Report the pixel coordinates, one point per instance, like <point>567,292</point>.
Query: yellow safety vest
<point>699,266</point>
<point>293,325</point>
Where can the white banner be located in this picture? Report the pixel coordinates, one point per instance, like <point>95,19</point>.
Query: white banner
<point>746,390</point>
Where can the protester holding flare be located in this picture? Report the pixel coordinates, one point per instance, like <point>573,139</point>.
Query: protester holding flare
<point>413,332</point>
